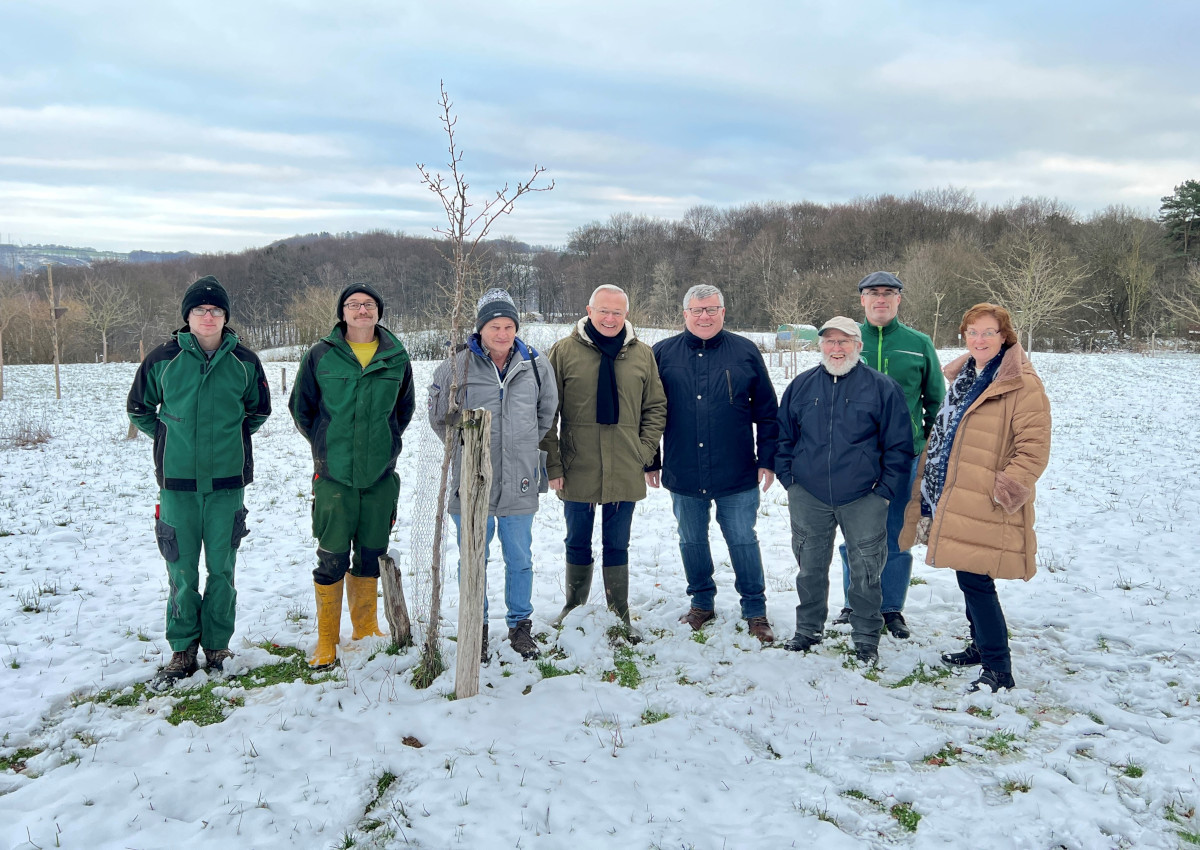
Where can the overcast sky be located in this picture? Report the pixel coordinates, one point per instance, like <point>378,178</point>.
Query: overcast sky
<point>224,125</point>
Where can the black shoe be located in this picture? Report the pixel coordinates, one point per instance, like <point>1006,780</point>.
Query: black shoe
<point>520,639</point>
<point>214,659</point>
<point>868,655</point>
<point>843,619</point>
<point>992,679</point>
<point>893,621</point>
<point>969,657</point>
<point>801,643</point>
<point>181,665</point>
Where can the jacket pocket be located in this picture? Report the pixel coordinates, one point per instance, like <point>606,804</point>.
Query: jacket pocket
<point>239,528</point>
<point>168,545</point>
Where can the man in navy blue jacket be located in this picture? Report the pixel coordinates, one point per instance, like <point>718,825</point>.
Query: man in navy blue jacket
<point>845,450</point>
<point>718,447</point>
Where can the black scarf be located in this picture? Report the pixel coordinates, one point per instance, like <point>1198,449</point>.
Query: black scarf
<point>608,410</point>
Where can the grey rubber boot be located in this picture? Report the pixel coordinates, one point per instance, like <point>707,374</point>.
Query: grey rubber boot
<point>616,593</point>
<point>579,585</point>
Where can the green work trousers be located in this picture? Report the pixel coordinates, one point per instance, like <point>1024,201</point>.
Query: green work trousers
<point>187,521</point>
<point>349,515</point>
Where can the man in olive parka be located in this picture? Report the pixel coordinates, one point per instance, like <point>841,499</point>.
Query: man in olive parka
<point>352,400</point>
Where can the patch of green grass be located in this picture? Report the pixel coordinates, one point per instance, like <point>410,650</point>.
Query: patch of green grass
<point>203,707</point>
<point>914,581</point>
<point>822,815</point>
<point>651,716</point>
<point>15,664</point>
<point>1173,815</point>
<point>855,794</point>
<point>425,674</point>
<point>906,816</point>
<point>1012,786</point>
<point>16,762</point>
<point>976,711</point>
<point>1102,643</point>
<point>1000,743</point>
<point>1133,770</point>
<point>700,637</point>
<point>944,756</point>
<point>626,672</point>
<point>1096,718</point>
<point>549,669</point>
<point>924,675</point>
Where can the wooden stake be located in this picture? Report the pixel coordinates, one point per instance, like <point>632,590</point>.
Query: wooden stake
<point>475,490</point>
<point>394,606</point>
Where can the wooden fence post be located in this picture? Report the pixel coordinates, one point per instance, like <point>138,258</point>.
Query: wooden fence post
<point>394,606</point>
<point>475,490</point>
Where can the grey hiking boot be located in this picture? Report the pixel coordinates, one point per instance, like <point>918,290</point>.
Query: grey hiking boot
<point>181,665</point>
<point>520,639</point>
<point>214,659</point>
<point>843,617</point>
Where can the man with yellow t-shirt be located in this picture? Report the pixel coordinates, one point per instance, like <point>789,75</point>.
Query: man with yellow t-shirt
<point>352,400</point>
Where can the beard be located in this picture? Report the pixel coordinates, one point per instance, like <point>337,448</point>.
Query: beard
<point>838,370</point>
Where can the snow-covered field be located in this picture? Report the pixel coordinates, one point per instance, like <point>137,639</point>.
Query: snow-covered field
<point>722,744</point>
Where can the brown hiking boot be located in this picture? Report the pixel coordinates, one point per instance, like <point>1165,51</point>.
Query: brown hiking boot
<point>181,665</point>
<point>761,629</point>
<point>697,617</point>
<point>521,641</point>
<point>214,659</point>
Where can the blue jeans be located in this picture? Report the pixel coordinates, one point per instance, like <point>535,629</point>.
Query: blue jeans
<point>897,569</point>
<point>736,514</point>
<point>516,544</point>
<point>615,521</point>
<point>863,523</point>
<point>986,618</point>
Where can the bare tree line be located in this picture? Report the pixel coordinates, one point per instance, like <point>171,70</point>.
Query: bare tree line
<point>1107,281</point>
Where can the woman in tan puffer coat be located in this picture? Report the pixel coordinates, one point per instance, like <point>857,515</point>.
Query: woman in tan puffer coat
<point>973,499</point>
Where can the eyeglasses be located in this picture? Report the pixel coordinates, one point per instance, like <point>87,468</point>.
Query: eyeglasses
<point>840,342</point>
<point>215,312</point>
<point>886,292</point>
<point>700,311</point>
<point>981,334</point>
<point>355,306</point>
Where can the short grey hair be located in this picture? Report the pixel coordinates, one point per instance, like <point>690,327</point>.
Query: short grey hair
<point>608,287</point>
<point>699,291</point>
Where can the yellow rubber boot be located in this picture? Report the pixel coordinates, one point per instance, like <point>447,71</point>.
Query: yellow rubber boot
<point>329,624</point>
<point>361,596</point>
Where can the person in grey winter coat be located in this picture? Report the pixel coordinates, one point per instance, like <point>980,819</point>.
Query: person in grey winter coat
<point>497,371</point>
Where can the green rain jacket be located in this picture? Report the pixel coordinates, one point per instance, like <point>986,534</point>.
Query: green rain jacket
<point>200,412</point>
<point>908,356</point>
<point>354,416</point>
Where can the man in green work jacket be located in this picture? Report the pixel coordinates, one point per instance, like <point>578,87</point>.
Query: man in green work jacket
<point>200,396</point>
<point>352,400</point>
<point>907,356</point>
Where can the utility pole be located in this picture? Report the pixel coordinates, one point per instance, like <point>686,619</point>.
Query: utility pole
<point>55,312</point>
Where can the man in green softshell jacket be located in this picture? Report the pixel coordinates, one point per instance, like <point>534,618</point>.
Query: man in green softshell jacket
<point>200,396</point>
<point>352,400</point>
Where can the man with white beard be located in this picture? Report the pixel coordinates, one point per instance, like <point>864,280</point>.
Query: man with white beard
<point>844,450</point>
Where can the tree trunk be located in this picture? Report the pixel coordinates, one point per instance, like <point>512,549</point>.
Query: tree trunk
<point>475,490</point>
<point>394,606</point>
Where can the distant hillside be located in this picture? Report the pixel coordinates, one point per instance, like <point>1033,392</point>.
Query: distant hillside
<point>17,259</point>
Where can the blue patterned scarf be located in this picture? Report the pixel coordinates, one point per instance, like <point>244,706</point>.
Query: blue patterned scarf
<point>967,387</point>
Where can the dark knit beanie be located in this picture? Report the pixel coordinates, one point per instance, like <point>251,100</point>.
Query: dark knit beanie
<point>495,304</point>
<point>365,289</point>
<point>207,290</point>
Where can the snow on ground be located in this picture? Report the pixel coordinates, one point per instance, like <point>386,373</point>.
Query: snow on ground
<point>722,744</point>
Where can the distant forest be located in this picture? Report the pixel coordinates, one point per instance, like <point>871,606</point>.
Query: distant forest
<point>1110,281</point>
